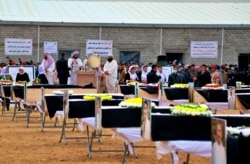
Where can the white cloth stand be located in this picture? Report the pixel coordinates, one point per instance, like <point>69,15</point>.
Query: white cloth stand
<point>201,148</point>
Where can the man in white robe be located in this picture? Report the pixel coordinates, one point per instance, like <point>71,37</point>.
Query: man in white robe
<point>110,71</point>
<point>74,63</point>
<point>49,67</point>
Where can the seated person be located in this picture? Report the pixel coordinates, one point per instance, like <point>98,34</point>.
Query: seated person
<point>22,76</point>
<point>5,76</point>
<point>41,75</point>
<point>131,76</point>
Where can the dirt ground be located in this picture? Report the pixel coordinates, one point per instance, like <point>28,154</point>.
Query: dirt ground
<point>20,144</point>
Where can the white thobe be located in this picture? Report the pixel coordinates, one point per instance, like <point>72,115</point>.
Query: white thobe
<point>111,78</point>
<point>50,72</point>
<point>74,67</point>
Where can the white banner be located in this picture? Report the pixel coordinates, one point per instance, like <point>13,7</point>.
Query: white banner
<point>50,47</point>
<point>18,46</point>
<point>204,49</point>
<point>100,47</point>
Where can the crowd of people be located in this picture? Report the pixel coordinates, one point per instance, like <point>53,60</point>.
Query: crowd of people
<point>200,75</point>
<point>64,72</point>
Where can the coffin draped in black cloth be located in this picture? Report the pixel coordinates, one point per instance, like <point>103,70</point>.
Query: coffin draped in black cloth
<point>121,117</point>
<point>127,89</point>
<point>163,110</point>
<point>118,96</point>
<point>242,90</point>
<point>214,95</point>
<point>79,108</point>
<point>243,147</point>
<point>245,100</point>
<point>19,92</point>
<point>58,86</point>
<point>125,117</point>
<point>150,89</point>
<point>235,121</point>
<point>55,103</point>
<point>176,93</point>
<point>170,127</point>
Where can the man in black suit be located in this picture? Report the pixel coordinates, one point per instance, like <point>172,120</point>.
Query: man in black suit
<point>152,77</point>
<point>203,77</point>
<point>62,69</point>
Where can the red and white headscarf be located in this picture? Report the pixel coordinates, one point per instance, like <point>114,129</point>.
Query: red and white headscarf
<point>75,53</point>
<point>50,60</point>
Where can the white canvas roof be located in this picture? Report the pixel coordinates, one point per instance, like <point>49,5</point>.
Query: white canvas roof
<point>168,13</point>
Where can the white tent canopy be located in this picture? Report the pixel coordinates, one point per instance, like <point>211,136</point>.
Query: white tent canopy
<point>107,12</point>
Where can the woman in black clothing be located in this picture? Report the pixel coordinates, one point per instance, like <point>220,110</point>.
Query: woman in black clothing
<point>22,76</point>
<point>41,75</point>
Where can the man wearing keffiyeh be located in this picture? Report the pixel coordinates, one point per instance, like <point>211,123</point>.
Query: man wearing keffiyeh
<point>74,63</point>
<point>49,67</point>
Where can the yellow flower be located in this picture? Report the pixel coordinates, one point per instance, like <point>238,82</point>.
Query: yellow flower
<point>133,102</point>
<point>191,109</point>
<point>177,85</point>
<point>133,83</point>
<point>104,97</point>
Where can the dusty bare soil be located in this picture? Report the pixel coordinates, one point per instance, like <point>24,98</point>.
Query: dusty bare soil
<point>19,144</point>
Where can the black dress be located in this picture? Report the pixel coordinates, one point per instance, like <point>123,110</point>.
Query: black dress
<point>43,79</point>
<point>22,77</point>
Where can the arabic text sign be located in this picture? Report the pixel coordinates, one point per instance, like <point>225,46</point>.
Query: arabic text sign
<point>50,47</point>
<point>18,46</point>
<point>204,49</point>
<point>100,47</point>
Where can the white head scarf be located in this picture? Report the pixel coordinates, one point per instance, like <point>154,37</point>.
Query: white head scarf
<point>21,69</point>
<point>3,73</point>
<point>41,69</point>
<point>133,76</point>
<point>144,74</point>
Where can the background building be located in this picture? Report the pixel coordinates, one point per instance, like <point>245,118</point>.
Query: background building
<point>140,30</point>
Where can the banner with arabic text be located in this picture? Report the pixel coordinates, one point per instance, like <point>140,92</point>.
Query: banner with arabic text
<point>13,46</point>
<point>204,49</point>
<point>100,47</point>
